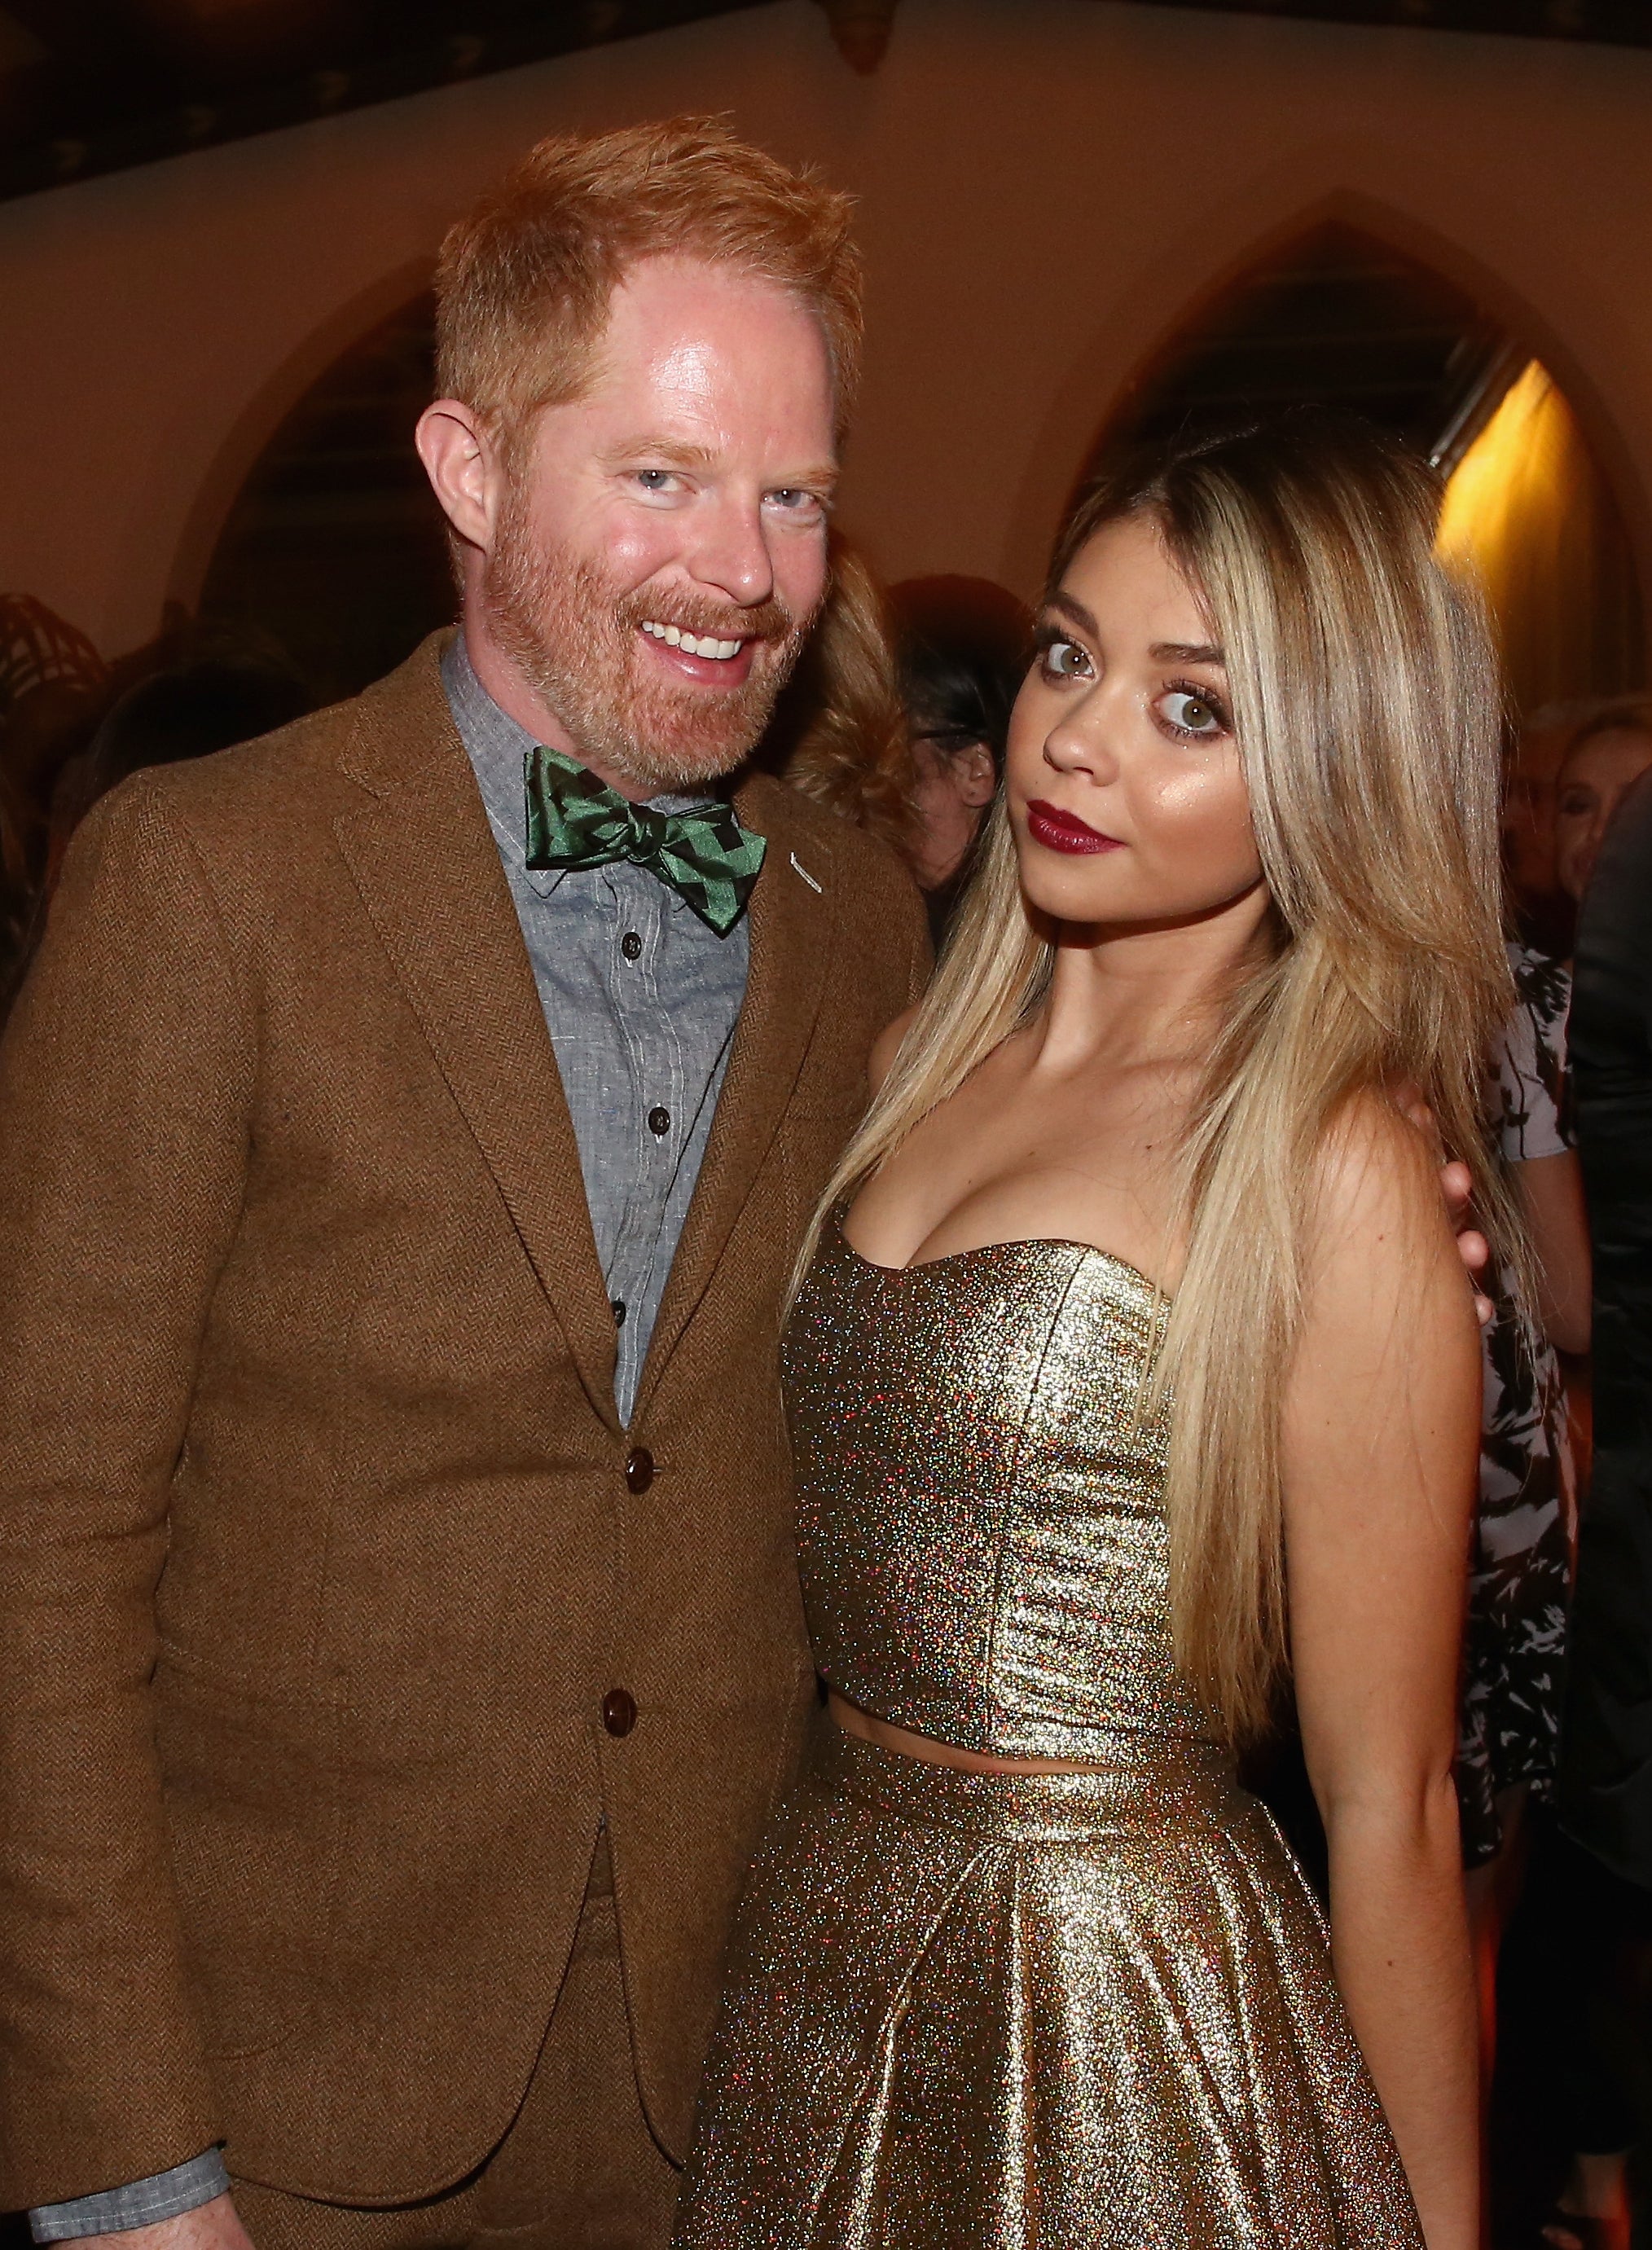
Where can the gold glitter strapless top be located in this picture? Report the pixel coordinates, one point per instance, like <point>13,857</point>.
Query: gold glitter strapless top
<point>981,1525</point>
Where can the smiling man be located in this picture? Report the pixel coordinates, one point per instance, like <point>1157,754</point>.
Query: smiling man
<point>405,1137</point>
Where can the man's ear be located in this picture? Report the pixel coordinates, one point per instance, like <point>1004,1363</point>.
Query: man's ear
<point>459,460</point>
<point>977,777</point>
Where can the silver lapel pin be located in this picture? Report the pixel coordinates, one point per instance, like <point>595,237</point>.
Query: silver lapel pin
<point>806,876</point>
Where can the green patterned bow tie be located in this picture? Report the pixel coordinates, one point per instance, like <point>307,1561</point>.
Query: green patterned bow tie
<point>574,820</point>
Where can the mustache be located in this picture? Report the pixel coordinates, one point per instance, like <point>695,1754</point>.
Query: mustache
<point>769,620</point>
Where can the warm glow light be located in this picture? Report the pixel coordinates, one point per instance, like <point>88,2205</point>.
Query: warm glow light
<point>1523,513</point>
<point>1518,473</point>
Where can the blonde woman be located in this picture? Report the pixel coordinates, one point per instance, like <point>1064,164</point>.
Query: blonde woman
<point>1134,1371</point>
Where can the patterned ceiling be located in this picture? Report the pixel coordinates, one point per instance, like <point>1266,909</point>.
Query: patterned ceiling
<point>94,86</point>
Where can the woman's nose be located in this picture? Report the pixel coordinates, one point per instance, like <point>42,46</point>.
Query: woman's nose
<point>1082,742</point>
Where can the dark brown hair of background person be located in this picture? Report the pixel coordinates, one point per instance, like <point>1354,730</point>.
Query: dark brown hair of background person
<point>206,702</point>
<point>841,733</point>
<point>936,663</point>
<point>199,704</point>
<point>961,647</point>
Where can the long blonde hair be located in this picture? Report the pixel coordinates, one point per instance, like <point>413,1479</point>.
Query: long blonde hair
<point>1366,709</point>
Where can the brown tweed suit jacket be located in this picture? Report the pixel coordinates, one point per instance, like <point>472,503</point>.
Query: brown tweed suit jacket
<point>317,1553</point>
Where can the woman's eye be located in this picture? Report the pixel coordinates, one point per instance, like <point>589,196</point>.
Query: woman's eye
<point>1064,660</point>
<point>1190,712</point>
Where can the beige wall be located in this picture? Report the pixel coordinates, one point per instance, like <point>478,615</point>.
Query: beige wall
<point>1047,187</point>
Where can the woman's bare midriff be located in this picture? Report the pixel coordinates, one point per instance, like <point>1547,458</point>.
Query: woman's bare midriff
<point>854,1720</point>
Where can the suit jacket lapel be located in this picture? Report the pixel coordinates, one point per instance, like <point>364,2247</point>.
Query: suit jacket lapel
<point>425,860</point>
<point>793,918</point>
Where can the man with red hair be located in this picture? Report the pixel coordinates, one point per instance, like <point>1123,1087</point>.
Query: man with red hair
<point>409,1127</point>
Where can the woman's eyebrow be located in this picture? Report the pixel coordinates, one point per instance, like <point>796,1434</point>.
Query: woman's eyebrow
<point>1076,610</point>
<point>1185,652</point>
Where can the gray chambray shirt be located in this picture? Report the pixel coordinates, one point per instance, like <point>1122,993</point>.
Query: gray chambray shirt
<point>640,999</point>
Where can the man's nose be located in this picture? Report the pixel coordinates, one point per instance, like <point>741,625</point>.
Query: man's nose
<point>732,553</point>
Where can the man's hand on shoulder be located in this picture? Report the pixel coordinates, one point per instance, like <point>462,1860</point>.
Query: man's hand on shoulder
<point>1456,1185</point>
<point>214,2225</point>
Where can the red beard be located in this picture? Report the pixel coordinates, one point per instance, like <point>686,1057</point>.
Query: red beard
<point>576,640</point>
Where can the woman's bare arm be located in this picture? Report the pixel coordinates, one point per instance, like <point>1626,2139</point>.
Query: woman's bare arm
<point>1550,1192</point>
<point>1381,1446</point>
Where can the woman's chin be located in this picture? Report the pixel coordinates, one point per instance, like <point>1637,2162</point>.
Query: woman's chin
<point>1068,897</point>
<point>1090,911</point>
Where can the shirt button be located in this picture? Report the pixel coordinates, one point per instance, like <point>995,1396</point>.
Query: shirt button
<point>640,1468</point>
<point>660,1121</point>
<point>618,1711</point>
<point>617,1307</point>
<point>630,945</point>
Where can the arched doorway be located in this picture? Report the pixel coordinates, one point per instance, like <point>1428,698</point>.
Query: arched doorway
<point>1342,318</point>
<point>333,547</point>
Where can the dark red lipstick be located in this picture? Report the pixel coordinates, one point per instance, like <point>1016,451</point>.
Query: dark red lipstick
<point>1064,831</point>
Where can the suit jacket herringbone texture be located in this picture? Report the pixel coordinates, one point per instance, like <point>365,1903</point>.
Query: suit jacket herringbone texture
<point>317,1555</point>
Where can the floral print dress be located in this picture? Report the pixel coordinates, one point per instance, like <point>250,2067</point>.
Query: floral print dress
<point>1520,1573</point>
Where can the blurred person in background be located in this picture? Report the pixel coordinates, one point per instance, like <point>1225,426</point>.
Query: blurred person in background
<point>207,699</point>
<point>838,733</point>
<point>1544,917</point>
<point>1528,1486</point>
<point>1605,755</point>
<point>54,687</point>
<point>898,717</point>
<point>1603,1872</point>
<point>43,735</point>
<point>962,648</point>
<point>1521,1570</point>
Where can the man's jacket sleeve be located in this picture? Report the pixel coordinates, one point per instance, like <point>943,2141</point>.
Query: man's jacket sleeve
<point>125,1083</point>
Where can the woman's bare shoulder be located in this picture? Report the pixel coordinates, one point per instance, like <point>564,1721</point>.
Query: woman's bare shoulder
<point>1377,1184</point>
<point>886,1046</point>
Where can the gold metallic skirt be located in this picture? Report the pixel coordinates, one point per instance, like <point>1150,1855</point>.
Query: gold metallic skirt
<point>996,2012</point>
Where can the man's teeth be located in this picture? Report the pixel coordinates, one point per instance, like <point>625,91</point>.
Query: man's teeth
<point>692,645</point>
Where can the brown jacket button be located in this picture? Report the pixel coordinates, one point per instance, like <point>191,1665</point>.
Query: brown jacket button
<point>640,1468</point>
<point>618,1711</point>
